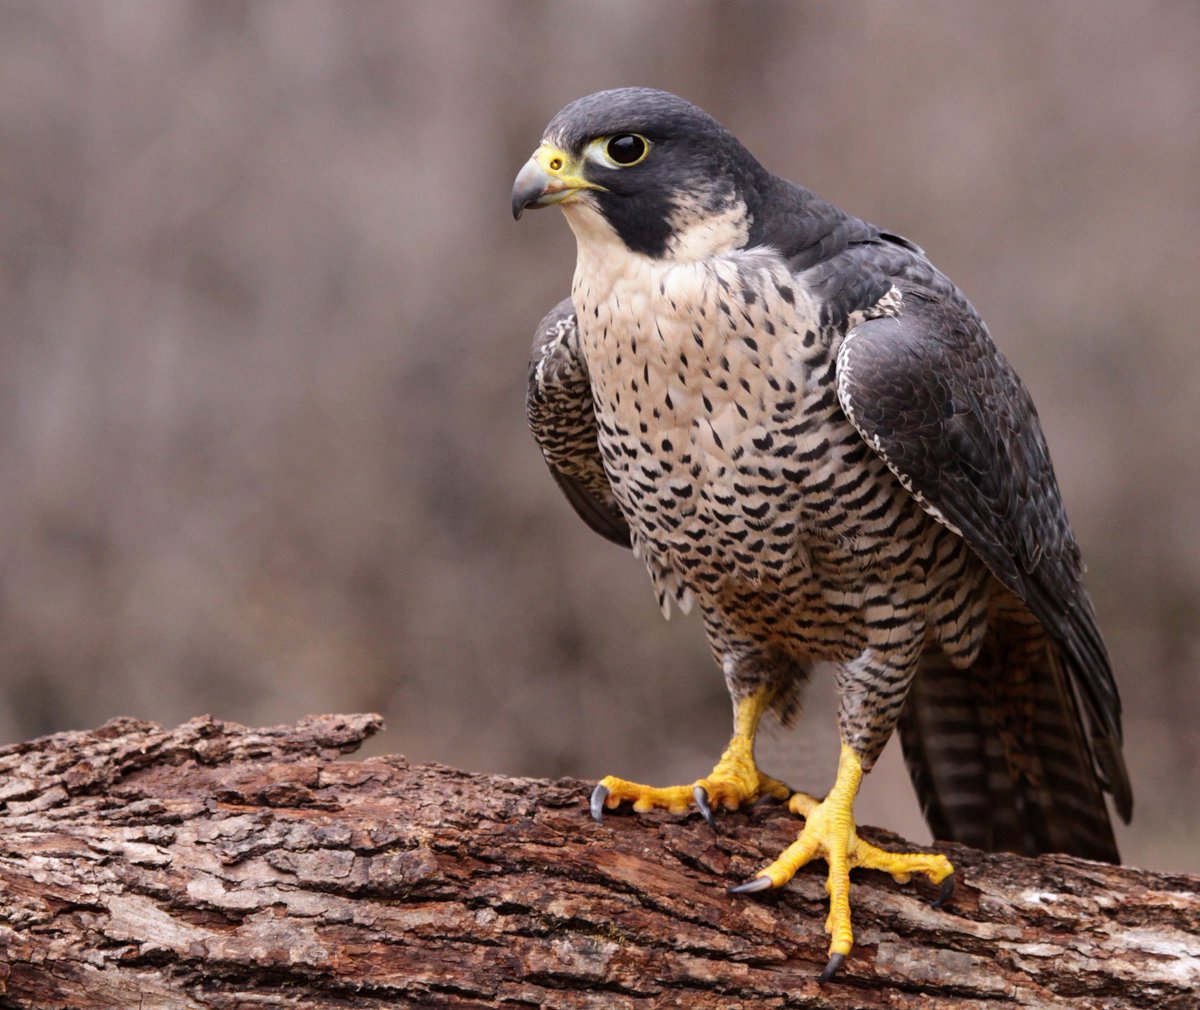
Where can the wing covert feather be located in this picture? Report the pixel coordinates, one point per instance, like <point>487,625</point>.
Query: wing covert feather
<point>931,393</point>
<point>559,408</point>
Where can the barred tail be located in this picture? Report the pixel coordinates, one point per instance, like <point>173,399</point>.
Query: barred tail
<point>999,755</point>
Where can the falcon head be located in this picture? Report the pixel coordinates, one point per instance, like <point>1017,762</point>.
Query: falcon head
<point>648,168</point>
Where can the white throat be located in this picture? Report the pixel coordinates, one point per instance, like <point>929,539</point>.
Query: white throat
<point>604,259</point>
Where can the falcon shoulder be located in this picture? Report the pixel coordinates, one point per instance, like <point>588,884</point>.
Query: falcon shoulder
<point>559,409</point>
<point>932,395</point>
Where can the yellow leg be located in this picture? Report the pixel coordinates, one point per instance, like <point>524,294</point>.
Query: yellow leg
<point>829,833</point>
<point>734,780</point>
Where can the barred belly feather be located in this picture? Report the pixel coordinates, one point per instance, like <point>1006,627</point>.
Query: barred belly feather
<point>720,430</point>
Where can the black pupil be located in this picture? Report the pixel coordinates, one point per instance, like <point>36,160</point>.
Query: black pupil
<point>625,149</point>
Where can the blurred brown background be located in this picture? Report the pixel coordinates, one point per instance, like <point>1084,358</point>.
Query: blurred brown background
<point>265,318</point>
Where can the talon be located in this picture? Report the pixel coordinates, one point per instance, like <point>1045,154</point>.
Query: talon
<point>945,893</point>
<point>829,834</point>
<point>831,969</point>
<point>599,795</point>
<point>700,794</point>
<point>752,885</point>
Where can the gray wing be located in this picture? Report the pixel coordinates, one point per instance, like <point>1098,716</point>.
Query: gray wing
<point>930,392</point>
<point>559,408</point>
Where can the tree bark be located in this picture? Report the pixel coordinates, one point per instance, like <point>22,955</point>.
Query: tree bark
<point>215,866</point>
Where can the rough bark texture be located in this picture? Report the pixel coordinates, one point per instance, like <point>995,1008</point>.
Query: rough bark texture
<point>217,866</point>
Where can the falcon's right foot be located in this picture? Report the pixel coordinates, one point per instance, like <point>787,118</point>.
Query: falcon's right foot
<point>718,789</point>
<point>734,782</point>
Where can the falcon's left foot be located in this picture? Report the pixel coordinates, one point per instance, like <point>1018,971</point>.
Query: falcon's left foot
<point>734,782</point>
<point>829,833</point>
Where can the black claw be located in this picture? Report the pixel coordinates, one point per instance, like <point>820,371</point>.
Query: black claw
<point>700,795</point>
<point>945,893</point>
<point>599,795</point>
<point>831,969</point>
<point>752,885</point>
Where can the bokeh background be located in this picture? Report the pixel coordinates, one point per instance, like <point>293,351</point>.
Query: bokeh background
<point>265,317</point>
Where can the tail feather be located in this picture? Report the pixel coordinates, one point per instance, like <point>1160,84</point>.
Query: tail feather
<point>999,755</point>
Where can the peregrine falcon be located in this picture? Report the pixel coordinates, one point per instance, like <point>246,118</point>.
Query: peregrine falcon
<point>801,425</point>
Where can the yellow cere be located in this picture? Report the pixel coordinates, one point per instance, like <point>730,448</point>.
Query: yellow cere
<point>557,164</point>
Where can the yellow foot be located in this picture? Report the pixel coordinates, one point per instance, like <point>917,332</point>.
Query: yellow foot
<point>829,834</point>
<point>718,789</point>
<point>734,781</point>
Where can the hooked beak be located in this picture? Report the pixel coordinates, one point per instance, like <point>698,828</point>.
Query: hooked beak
<point>550,176</point>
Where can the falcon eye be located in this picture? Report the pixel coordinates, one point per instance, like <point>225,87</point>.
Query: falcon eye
<point>626,149</point>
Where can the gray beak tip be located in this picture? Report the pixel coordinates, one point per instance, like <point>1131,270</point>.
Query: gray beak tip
<point>529,187</point>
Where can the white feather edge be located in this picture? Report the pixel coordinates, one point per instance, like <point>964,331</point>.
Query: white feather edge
<point>891,304</point>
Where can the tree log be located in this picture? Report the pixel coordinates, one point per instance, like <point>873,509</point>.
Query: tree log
<point>214,866</point>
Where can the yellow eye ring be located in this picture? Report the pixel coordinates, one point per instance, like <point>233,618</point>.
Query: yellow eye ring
<point>626,149</point>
